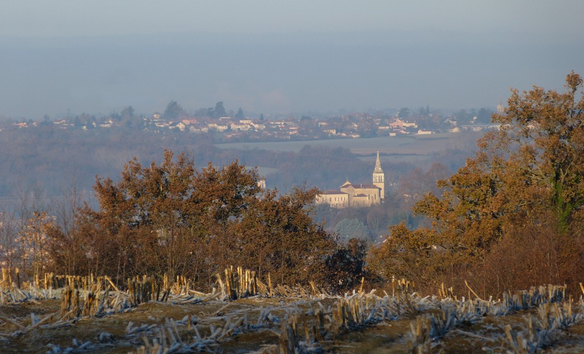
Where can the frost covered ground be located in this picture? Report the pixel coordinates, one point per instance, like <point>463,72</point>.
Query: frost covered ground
<point>285,320</point>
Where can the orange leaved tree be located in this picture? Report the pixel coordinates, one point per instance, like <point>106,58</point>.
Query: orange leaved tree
<point>525,186</point>
<point>172,219</point>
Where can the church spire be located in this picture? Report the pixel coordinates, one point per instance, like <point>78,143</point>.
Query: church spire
<point>379,178</point>
<point>378,168</point>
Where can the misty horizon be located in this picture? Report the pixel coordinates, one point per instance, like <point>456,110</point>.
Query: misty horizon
<point>355,58</point>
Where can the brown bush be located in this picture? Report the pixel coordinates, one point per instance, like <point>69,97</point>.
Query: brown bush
<point>172,220</point>
<point>532,255</point>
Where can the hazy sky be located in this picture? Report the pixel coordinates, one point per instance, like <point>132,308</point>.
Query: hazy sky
<point>280,56</point>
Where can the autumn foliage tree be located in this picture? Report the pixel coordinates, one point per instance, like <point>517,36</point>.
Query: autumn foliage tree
<point>525,186</point>
<point>172,219</point>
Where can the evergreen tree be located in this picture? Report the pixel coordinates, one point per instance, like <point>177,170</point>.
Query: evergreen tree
<point>239,114</point>
<point>173,111</point>
<point>219,110</point>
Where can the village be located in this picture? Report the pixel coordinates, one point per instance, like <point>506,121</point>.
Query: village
<point>236,127</point>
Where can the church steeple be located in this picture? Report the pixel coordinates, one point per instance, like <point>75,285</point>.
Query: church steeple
<point>379,177</point>
<point>378,168</point>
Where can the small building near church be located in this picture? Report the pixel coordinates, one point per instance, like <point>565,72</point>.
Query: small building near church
<point>335,199</point>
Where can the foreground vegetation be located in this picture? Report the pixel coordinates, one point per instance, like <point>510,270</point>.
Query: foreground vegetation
<point>244,314</point>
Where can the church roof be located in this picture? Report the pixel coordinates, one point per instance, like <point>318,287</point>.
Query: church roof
<point>358,186</point>
<point>366,186</point>
<point>346,184</point>
<point>332,192</point>
<point>378,168</point>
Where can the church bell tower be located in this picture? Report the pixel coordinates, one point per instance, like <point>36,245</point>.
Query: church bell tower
<point>379,177</point>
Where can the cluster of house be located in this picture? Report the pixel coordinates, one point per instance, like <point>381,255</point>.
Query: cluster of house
<point>200,125</point>
<point>356,125</point>
<point>401,127</point>
<point>229,126</point>
<point>356,194</point>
